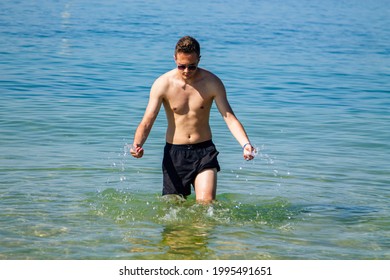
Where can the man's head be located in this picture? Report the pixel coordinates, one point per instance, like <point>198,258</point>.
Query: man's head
<point>187,45</point>
<point>187,57</point>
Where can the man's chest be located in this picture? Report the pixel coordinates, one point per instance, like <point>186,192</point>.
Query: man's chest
<point>182,101</point>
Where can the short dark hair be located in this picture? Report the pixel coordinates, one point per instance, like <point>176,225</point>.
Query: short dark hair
<point>187,44</point>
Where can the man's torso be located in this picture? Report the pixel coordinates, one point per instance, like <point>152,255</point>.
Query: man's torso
<point>187,107</point>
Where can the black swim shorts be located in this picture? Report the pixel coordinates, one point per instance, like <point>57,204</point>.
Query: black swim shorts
<point>182,163</point>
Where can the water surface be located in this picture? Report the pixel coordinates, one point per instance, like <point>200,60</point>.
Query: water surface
<point>308,79</point>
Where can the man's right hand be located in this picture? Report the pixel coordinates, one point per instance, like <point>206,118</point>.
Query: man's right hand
<point>137,151</point>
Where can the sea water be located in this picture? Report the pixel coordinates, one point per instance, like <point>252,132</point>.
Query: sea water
<point>309,80</point>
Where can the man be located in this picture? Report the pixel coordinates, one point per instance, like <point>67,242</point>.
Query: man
<point>187,93</point>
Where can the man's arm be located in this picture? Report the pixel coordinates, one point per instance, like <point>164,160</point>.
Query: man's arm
<point>145,126</point>
<point>232,122</point>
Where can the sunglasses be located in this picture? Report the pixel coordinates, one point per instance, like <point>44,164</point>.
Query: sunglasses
<point>190,67</point>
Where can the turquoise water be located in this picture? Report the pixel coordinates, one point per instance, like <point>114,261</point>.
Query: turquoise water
<point>308,79</point>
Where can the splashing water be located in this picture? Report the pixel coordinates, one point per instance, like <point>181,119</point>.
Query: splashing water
<point>124,207</point>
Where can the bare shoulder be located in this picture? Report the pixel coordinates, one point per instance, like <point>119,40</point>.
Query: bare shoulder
<point>214,83</point>
<point>163,80</point>
<point>211,77</point>
<point>161,84</point>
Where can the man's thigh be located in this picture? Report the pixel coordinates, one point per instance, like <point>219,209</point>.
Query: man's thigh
<point>206,185</point>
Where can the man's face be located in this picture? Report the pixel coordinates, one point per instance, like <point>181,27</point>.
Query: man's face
<point>187,64</point>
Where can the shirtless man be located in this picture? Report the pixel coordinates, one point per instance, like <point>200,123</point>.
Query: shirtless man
<point>187,93</point>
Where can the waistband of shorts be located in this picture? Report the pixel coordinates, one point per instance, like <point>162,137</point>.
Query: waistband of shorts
<point>200,145</point>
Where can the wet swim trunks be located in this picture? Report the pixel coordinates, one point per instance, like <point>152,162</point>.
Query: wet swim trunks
<point>182,163</point>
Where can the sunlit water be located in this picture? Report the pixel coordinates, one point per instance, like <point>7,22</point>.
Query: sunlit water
<point>308,79</point>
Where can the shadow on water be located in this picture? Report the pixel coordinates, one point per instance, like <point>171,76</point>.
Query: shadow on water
<point>346,214</point>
